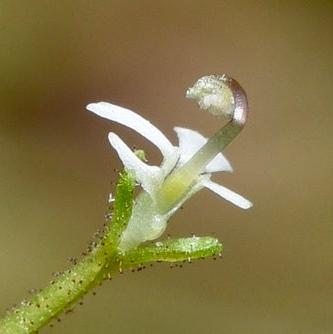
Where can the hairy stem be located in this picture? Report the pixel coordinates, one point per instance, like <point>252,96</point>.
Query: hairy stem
<point>59,294</point>
<point>99,264</point>
<point>103,261</point>
<point>92,271</point>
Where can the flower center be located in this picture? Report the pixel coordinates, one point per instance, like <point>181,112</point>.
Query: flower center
<point>226,98</point>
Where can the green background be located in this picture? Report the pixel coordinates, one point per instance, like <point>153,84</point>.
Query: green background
<point>56,165</point>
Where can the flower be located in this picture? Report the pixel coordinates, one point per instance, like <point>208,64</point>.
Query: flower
<point>185,168</point>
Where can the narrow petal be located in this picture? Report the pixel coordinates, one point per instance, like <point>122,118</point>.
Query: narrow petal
<point>190,142</point>
<point>148,176</point>
<point>228,194</point>
<point>134,121</point>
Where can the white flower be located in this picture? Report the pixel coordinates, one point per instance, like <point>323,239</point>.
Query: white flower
<point>185,169</point>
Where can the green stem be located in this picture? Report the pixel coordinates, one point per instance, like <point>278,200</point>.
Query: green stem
<point>100,264</point>
<point>60,294</point>
<point>92,271</point>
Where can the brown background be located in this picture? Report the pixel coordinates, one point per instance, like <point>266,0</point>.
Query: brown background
<point>56,165</point>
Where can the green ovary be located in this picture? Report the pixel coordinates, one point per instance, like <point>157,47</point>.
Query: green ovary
<point>174,189</point>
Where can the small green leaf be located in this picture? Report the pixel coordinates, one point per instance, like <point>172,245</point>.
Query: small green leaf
<point>174,250</point>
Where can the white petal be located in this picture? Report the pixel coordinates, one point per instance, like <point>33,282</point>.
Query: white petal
<point>148,176</point>
<point>170,162</point>
<point>219,164</point>
<point>134,121</point>
<point>190,142</point>
<point>228,194</point>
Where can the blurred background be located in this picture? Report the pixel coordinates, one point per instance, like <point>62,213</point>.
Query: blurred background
<point>56,169</point>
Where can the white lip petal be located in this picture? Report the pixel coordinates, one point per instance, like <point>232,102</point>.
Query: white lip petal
<point>190,142</point>
<point>219,164</point>
<point>134,121</point>
<point>227,194</point>
<point>148,176</point>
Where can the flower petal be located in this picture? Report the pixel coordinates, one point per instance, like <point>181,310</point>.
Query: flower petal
<point>190,142</point>
<point>134,121</point>
<point>148,176</point>
<point>227,194</point>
